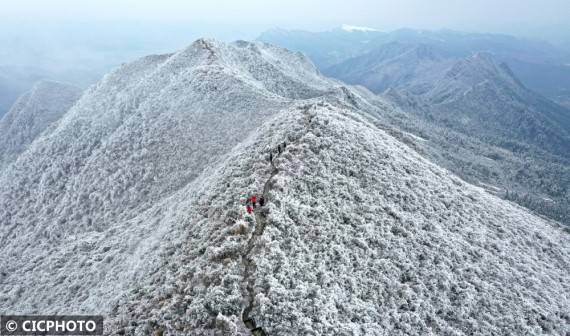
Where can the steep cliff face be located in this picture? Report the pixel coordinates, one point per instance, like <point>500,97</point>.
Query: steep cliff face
<point>133,207</point>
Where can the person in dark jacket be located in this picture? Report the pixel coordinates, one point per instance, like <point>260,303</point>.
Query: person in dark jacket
<point>279,149</point>
<point>261,201</point>
<point>270,156</point>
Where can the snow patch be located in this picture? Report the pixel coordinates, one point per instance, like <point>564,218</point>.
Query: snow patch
<point>350,28</point>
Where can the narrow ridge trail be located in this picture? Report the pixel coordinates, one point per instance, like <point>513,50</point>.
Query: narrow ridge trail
<point>260,225</point>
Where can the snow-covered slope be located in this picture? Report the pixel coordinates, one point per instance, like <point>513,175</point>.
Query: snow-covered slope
<point>144,132</point>
<point>137,213</point>
<point>33,113</point>
<point>474,70</point>
<point>361,237</point>
<point>351,28</point>
<point>481,121</point>
<point>401,247</point>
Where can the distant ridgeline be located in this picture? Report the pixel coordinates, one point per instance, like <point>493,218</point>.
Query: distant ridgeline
<point>481,121</point>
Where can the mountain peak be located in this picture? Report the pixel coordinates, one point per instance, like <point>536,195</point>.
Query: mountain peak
<point>484,59</point>
<point>206,43</point>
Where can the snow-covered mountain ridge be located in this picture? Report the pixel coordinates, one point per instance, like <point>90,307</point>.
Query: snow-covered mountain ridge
<point>363,237</point>
<point>145,131</point>
<point>137,213</point>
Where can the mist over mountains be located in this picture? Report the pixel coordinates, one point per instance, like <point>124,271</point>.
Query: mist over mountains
<point>511,139</point>
<point>476,94</point>
<point>75,52</point>
<point>541,66</point>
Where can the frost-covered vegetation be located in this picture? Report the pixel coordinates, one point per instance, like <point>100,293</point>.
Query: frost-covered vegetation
<point>458,92</point>
<point>370,239</point>
<point>480,122</point>
<point>364,237</point>
<point>486,127</point>
<point>32,114</point>
<point>132,207</point>
<point>76,206</point>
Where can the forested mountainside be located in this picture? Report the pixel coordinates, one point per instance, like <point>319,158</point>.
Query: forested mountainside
<point>144,132</point>
<point>396,65</point>
<point>494,131</point>
<point>33,113</point>
<point>477,94</point>
<point>138,212</point>
<point>483,122</point>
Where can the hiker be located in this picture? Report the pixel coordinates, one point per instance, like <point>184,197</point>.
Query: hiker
<point>253,200</point>
<point>261,201</point>
<point>284,145</point>
<point>271,156</point>
<point>249,209</point>
<point>279,149</point>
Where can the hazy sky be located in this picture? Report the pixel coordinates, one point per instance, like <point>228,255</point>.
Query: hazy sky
<point>81,39</point>
<point>251,15</point>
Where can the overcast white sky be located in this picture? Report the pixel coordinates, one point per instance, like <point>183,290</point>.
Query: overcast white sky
<point>481,15</point>
<point>95,35</point>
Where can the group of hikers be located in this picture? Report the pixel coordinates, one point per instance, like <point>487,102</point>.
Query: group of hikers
<point>280,149</point>
<point>252,201</point>
<point>250,204</point>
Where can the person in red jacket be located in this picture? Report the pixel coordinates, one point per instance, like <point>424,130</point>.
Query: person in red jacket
<point>249,209</point>
<point>253,200</point>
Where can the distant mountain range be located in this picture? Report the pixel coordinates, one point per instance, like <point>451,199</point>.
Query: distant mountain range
<point>462,83</point>
<point>395,65</point>
<point>477,95</point>
<point>132,206</point>
<point>541,66</point>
